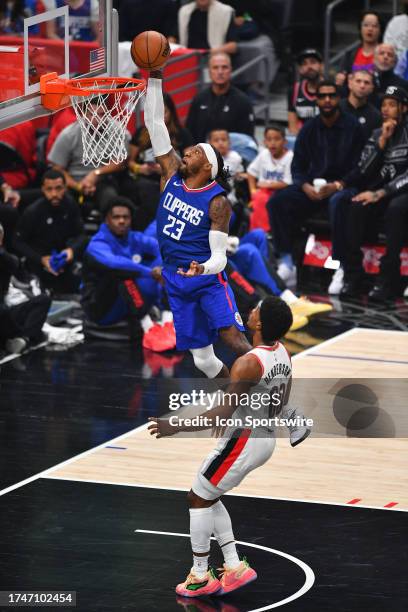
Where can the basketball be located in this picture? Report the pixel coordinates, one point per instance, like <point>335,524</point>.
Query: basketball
<point>150,50</point>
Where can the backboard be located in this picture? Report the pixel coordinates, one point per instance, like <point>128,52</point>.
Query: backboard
<point>70,37</point>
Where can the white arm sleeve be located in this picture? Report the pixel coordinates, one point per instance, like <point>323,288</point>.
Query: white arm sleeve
<point>218,246</point>
<point>154,118</point>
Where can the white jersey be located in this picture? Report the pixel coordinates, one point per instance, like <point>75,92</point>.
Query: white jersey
<point>265,401</point>
<point>275,363</point>
<point>246,446</point>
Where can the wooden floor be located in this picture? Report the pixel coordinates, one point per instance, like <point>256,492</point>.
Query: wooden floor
<point>328,469</point>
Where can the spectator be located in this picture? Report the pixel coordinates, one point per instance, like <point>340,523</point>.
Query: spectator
<point>21,137</point>
<point>328,147</point>
<point>83,19</point>
<point>401,68</point>
<point>49,227</point>
<point>385,60</point>
<point>142,185</point>
<point>251,257</point>
<point>269,172</point>
<point>9,201</point>
<point>302,95</point>
<point>13,13</point>
<point>20,324</point>
<point>59,120</point>
<point>361,86</point>
<point>221,105</point>
<point>122,277</point>
<point>363,59</point>
<point>234,164</point>
<point>92,187</point>
<point>134,18</point>
<point>396,32</point>
<point>207,24</point>
<point>220,140</point>
<point>384,176</point>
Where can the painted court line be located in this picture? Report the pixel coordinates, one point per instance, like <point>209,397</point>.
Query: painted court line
<point>140,485</point>
<point>90,451</point>
<point>309,574</point>
<point>46,472</point>
<point>358,358</point>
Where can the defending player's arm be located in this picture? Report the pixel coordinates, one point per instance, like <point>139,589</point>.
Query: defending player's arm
<point>245,373</point>
<point>163,151</point>
<point>220,215</point>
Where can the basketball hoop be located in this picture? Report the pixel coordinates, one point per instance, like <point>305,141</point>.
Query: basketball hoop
<point>103,106</point>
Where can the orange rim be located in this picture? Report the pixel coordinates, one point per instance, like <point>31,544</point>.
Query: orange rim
<point>84,87</point>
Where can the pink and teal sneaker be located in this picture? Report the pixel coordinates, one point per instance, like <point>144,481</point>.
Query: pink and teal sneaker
<point>196,587</point>
<point>233,579</point>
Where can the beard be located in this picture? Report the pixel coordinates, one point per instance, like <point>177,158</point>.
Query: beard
<point>329,113</point>
<point>183,171</point>
<point>312,75</point>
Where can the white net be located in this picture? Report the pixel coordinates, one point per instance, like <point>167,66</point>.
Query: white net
<point>103,118</point>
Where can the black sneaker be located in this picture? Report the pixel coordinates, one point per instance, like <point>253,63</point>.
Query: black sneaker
<point>351,289</point>
<point>382,293</point>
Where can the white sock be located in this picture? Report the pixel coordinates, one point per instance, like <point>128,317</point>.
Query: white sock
<point>224,535</point>
<point>167,317</point>
<point>288,296</point>
<point>200,566</point>
<point>146,323</point>
<point>201,528</point>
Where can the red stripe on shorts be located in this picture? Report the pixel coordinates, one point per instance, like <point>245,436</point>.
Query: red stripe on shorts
<point>232,457</point>
<point>225,285</point>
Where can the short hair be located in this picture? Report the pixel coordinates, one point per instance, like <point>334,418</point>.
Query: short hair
<point>276,318</point>
<point>52,175</point>
<point>217,129</point>
<point>363,71</point>
<point>327,83</point>
<point>118,201</point>
<point>223,53</point>
<point>275,128</point>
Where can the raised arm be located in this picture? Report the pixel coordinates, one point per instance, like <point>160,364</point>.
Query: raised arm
<point>165,155</point>
<point>220,215</point>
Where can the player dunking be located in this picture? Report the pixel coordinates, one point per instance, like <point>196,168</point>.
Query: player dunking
<point>192,229</point>
<point>268,365</point>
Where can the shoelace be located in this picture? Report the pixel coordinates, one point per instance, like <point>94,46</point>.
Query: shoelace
<point>291,426</point>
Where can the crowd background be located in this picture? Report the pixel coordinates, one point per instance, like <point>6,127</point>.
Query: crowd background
<point>339,157</point>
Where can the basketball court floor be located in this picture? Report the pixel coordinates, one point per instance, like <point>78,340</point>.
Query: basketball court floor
<point>91,503</point>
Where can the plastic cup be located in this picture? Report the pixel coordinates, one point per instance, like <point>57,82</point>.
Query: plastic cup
<point>318,183</point>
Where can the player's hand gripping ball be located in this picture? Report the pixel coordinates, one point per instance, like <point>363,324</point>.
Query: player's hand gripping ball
<point>150,50</point>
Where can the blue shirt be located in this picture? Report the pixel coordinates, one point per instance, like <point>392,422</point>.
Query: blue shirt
<point>183,222</point>
<point>133,253</point>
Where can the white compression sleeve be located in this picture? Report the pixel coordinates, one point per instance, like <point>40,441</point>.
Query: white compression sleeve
<point>154,118</point>
<point>218,245</point>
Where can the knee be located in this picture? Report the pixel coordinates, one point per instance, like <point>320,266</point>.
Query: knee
<point>397,206</point>
<point>257,236</point>
<point>248,251</point>
<point>206,361</point>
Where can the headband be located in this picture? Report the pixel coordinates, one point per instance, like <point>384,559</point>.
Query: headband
<point>211,157</point>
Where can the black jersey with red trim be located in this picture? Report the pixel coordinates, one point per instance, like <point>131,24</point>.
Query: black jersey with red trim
<point>302,102</point>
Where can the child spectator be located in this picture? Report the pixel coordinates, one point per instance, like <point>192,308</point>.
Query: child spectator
<point>269,172</point>
<point>220,140</point>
